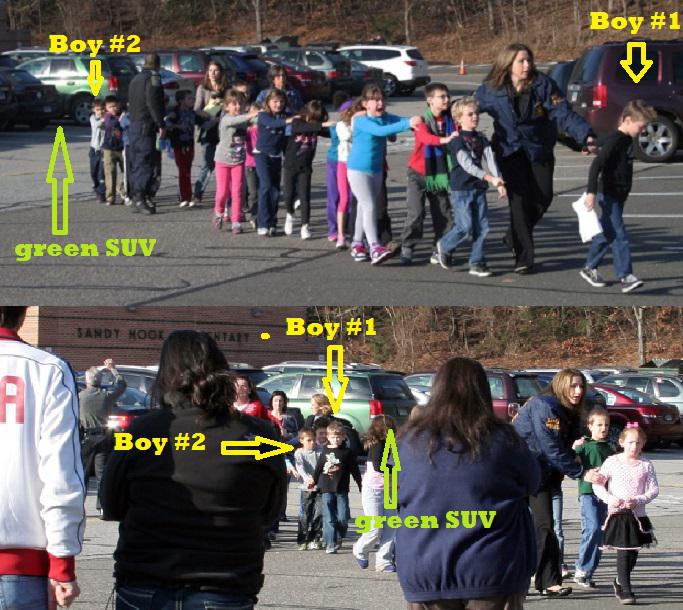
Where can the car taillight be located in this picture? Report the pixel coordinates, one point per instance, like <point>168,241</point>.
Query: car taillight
<point>600,96</point>
<point>513,409</point>
<point>118,422</point>
<point>376,408</point>
<point>113,83</point>
<point>410,63</point>
<point>251,76</point>
<point>332,74</point>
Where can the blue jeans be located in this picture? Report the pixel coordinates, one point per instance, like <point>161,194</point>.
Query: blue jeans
<point>154,598</point>
<point>97,170</point>
<point>23,592</point>
<point>268,170</point>
<point>336,517</point>
<point>471,217</point>
<point>208,154</point>
<point>593,515</point>
<point>614,233</point>
<point>373,505</point>
<point>556,497</point>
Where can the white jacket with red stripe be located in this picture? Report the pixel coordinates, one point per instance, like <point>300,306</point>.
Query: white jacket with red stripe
<point>42,516</point>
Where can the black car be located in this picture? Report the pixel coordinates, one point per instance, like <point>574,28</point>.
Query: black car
<point>36,103</point>
<point>8,101</point>
<point>8,62</point>
<point>560,73</point>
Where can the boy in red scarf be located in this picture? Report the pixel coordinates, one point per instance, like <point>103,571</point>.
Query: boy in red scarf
<point>428,170</point>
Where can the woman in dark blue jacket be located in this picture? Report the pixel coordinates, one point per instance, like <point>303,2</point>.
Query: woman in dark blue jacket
<point>527,108</point>
<point>456,455</point>
<point>550,423</point>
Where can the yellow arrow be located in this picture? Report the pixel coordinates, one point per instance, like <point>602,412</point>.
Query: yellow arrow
<point>259,440</point>
<point>628,62</point>
<point>60,145</point>
<point>335,402</point>
<point>95,78</point>
<point>390,478</point>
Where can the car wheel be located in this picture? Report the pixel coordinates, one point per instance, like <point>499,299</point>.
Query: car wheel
<point>80,109</point>
<point>659,140</point>
<point>390,85</point>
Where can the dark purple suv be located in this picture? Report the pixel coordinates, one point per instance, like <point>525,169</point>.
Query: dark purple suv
<point>599,88</point>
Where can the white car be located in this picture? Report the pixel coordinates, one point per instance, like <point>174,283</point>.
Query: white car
<point>404,67</point>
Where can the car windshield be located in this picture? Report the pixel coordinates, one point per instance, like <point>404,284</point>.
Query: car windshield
<point>586,68</point>
<point>22,76</point>
<point>639,397</point>
<point>388,388</point>
<point>526,387</point>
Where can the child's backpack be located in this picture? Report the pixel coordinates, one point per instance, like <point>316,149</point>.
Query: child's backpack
<point>113,134</point>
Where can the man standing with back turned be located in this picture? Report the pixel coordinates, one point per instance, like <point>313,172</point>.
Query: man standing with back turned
<point>42,516</point>
<point>146,110</point>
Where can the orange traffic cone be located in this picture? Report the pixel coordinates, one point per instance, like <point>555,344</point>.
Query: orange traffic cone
<point>463,69</point>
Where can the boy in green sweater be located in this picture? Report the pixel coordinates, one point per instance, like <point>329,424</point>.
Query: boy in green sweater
<point>593,452</point>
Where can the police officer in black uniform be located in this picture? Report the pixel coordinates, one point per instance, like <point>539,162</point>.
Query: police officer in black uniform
<point>146,109</point>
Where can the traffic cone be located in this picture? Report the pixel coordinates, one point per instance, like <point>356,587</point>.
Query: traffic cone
<point>463,69</point>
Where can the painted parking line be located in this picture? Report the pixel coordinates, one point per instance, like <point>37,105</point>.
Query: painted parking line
<point>675,194</point>
<point>635,178</point>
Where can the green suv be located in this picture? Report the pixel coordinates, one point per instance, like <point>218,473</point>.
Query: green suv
<point>368,394</point>
<point>68,72</point>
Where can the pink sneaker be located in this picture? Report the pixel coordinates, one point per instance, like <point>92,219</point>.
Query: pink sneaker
<point>217,222</point>
<point>379,254</point>
<point>358,253</point>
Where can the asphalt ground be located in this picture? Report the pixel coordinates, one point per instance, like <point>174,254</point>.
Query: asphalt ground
<point>312,580</point>
<point>193,264</point>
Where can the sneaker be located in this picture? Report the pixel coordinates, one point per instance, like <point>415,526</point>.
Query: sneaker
<point>561,592</point>
<point>332,238</point>
<point>390,567</point>
<point>330,550</point>
<point>523,270</point>
<point>319,545</point>
<point>127,201</point>
<point>630,282</point>
<point>262,232</point>
<point>585,582</point>
<point>441,256</point>
<point>359,253</point>
<point>236,228</point>
<point>183,204</point>
<point>342,244</point>
<point>480,270</point>
<point>101,198</point>
<point>305,232</point>
<point>217,222</point>
<point>379,254</point>
<point>110,202</point>
<point>565,571</point>
<point>434,258</point>
<point>289,224</point>
<point>406,255</point>
<point>363,563</point>
<point>252,223</point>
<point>592,277</point>
<point>192,203</point>
<point>304,547</point>
<point>626,598</point>
<point>272,232</point>
<point>337,546</point>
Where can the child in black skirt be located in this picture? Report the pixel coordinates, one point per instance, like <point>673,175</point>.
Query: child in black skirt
<point>632,483</point>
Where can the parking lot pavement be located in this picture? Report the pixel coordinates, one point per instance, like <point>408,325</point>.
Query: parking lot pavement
<point>192,263</point>
<point>312,580</point>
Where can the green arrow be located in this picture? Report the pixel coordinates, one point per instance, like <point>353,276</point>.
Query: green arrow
<point>60,145</point>
<point>390,477</point>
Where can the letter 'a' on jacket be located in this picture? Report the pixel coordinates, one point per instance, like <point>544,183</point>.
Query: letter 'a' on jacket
<point>536,132</point>
<point>42,515</point>
<point>549,432</point>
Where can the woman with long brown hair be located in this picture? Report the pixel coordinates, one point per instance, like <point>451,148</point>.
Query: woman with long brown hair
<point>527,108</point>
<point>472,473</point>
<point>210,90</point>
<point>192,520</point>
<point>550,423</point>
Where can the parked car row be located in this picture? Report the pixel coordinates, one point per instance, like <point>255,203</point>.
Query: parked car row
<point>317,71</point>
<point>598,88</point>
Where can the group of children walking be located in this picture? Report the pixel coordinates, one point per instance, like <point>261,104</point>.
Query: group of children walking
<point>452,166</point>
